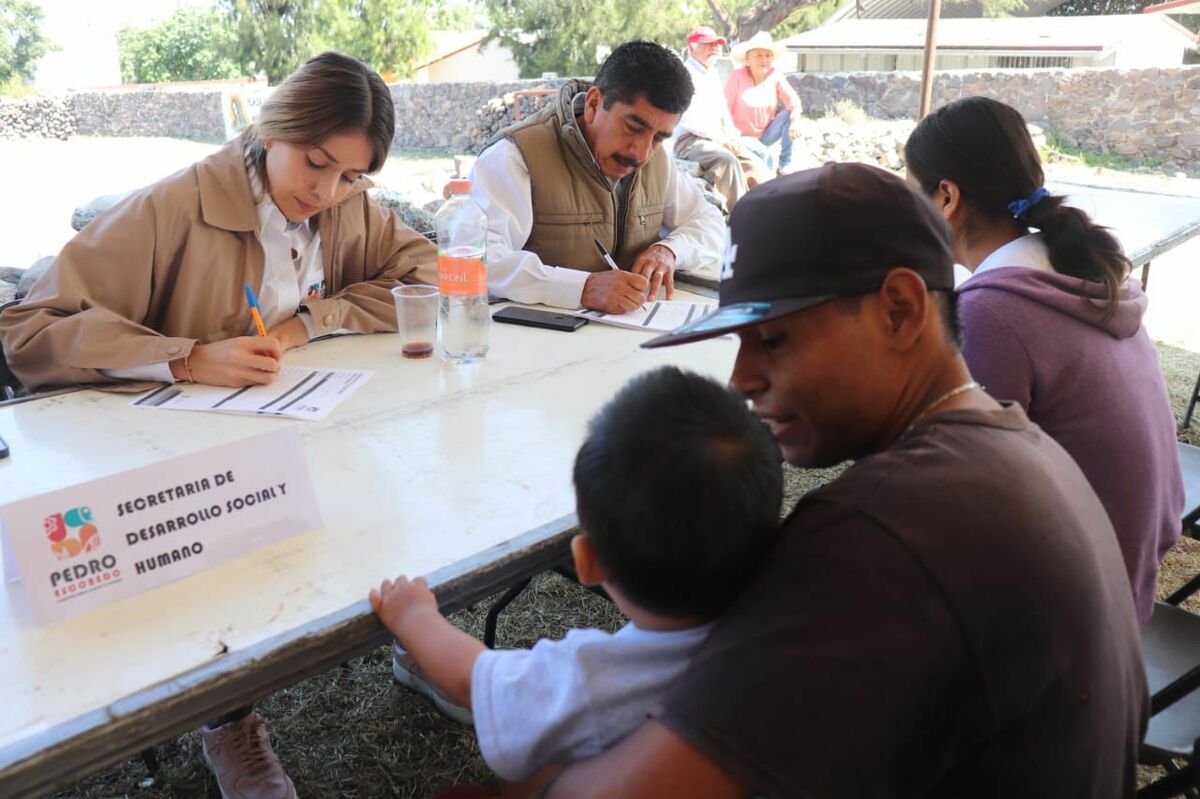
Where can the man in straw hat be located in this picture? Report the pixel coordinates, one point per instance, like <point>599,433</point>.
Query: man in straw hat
<point>706,133</point>
<point>763,104</point>
<point>951,616</point>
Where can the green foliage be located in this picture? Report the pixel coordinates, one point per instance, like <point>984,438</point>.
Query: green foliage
<point>457,15</point>
<point>807,18</point>
<point>1056,149</point>
<point>271,37</point>
<point>390,35</point>
<point>21,41</point>
<point>274,37</point>
<point>188,45</point>
<point>562,37</point>
<point>17,87</point>
<point>1002,8</point>
<point>555,36</point>
<point>1080,8</point>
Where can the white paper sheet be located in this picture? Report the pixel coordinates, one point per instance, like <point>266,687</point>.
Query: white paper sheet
<point>297,392</point>
<point>661,316</point>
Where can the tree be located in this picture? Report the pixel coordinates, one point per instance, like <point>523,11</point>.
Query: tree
<point>557,36</point>
<point>390,35</point>
<point>21,41</point>
<point>188,45</point>
<point>571,39</point>
<point>271,37</point>
<point>741,20</point>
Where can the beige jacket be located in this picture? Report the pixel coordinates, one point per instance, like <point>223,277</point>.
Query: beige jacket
<point>573,202</point>
<point>165,269</point>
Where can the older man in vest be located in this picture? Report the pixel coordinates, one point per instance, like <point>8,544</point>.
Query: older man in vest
<point>589,167</point>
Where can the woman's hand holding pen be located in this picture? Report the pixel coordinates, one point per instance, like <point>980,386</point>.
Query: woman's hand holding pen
<point>236,362</point>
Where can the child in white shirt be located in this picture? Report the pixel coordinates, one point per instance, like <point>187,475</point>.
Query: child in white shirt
<point>678,489</point>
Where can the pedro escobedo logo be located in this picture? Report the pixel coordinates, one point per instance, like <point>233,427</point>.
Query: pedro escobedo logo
<point>73,534</point>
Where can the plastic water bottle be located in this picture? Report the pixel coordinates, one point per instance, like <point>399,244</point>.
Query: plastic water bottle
<point>463,319</point>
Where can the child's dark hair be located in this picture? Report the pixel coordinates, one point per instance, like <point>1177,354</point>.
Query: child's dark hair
<point>679,488</point>
<point>984,146</point>
<point>647,69</point>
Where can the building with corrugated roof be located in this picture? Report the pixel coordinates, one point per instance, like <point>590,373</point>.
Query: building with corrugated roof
<point>888,45</point>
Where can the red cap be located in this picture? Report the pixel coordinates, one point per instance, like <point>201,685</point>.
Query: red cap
<point>460,186</point>
<point>703,34</point>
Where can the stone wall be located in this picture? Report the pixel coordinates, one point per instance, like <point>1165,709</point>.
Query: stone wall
<point>177,114</point>
<point>1139,114</point>
<point>454,117</point>
<point>1142,115</point>
<point>36,118</point>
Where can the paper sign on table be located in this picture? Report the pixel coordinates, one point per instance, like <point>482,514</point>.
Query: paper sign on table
<point>297,392</point>
<point>93,543</point>
<point>661,316</point>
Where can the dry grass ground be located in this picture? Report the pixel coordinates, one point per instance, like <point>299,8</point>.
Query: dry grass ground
<point>352,732</point>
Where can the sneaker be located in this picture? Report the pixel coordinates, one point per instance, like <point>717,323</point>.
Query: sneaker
<point>240,754</point>
<point>409,674</point>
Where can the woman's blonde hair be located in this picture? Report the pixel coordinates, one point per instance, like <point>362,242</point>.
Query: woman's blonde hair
<point>329,94</point>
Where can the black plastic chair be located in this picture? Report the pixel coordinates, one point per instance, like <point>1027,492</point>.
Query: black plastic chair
<point>1189,458</point>
<point>1171,653</point>
<point>1187,417</point>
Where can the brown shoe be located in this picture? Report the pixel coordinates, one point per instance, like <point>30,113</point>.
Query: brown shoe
<point>246,766</point>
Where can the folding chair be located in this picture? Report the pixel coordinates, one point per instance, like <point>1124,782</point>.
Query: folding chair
<point>1187,417</point>
<point>1171,653</point>
<point>1189,458</point>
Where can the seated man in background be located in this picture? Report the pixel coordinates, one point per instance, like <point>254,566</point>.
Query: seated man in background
<point>948,618</point>
<point>706,133</point>
<point>589,167</point>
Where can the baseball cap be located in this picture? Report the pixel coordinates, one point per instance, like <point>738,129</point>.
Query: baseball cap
<point>704,35</point>
<point>808,237</point>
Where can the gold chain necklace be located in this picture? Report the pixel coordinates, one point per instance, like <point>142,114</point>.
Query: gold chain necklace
<point>954,392</point>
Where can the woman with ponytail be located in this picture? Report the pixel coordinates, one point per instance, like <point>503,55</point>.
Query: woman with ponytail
<point>1052,320</point>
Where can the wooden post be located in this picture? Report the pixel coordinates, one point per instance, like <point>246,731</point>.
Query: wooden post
<point>935,11</point>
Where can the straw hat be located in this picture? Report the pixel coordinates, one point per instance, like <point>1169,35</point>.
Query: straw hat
<point>759,41</point>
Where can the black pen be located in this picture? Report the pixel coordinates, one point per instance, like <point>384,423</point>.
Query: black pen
<point>608,259</point>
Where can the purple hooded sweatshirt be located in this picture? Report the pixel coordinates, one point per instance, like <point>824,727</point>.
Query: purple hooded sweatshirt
<point>1094,386</point>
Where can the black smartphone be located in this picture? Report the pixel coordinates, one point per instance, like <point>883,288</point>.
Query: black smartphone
<point>532,317</point>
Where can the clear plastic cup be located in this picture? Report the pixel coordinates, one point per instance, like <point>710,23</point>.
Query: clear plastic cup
<point>416,319</point>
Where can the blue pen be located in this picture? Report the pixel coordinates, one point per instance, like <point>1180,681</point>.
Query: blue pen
<point>255,312</point>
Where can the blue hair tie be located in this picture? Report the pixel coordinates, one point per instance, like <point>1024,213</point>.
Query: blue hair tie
<point>1018,208</point>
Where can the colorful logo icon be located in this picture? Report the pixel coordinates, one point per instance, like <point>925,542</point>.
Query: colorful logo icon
<point>71,533</point>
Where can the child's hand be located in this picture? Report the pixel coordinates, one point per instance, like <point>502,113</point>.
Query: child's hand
<point>398,603</point>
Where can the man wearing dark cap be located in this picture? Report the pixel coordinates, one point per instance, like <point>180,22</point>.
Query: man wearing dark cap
<point>951,616</point>
<point>706,133</point>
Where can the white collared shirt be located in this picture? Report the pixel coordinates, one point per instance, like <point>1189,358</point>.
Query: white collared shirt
<point>293,273</point>
<point>500,185</point>
<point>1028,251</point>
<point>293,269</point>
<point>708,115</point>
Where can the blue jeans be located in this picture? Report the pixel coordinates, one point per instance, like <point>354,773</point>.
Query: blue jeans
<point>777,131</point>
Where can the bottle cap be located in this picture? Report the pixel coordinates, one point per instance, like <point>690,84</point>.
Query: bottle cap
<point>460,186</point>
